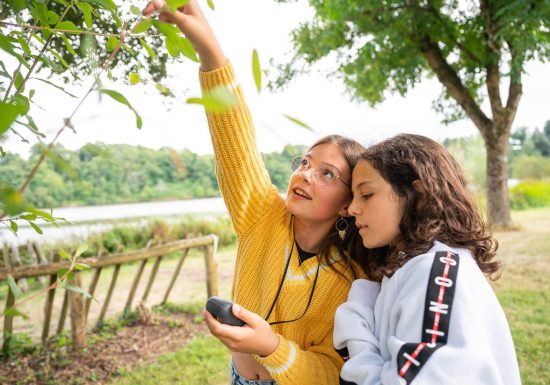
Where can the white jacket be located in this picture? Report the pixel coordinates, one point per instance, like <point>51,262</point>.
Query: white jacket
<point>435,321</point>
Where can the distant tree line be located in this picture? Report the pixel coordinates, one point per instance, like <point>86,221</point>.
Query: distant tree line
<point>104,174</point>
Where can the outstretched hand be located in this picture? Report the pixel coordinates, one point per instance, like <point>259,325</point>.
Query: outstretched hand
<point>255,337</point>
<point>192,22</point>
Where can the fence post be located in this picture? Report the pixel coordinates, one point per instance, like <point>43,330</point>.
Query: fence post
<point>211,268</point>
<point>8,322</point>
<point>16,261</point>
<point>78,316</point>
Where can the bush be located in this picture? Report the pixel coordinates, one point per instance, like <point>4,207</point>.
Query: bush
<point>531,167</point>
<point>530,193</point>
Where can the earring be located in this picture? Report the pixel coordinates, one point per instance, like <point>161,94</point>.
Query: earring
<point>341,226</point>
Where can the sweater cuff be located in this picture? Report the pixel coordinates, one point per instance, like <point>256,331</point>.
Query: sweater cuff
<point>365,292</point>
<point>281,359</point>
<point>223,76</point>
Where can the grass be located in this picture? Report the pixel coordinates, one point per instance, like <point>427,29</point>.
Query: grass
<point>203,361</point>
<point>523,290</point>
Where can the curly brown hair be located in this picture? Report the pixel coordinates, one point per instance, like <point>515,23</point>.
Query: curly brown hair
<point>443,209</point>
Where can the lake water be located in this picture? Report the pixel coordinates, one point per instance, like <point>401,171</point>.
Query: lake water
<point>86,219</point>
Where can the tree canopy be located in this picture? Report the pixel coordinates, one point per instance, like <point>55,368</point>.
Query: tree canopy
<point>472,47</point>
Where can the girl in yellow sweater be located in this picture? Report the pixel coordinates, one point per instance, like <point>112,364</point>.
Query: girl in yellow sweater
<point>291,270</point>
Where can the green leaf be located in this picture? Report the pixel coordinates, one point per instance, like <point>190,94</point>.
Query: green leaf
<point>31,125</point>
<point>28,217</point>
<point>81,266</point>
<point>129,49</point>
<point>81,248</point>
<point>68,25</point>
<point>24,46</point>
<point>61,272</point>
<point>8,113</point>
<point>143,26</point>
<point>175,4</point>
<point>39,12</point>
<point>65,255</point>
<point>256,70</point>
<point>17,5</point>
<point>166,29</point>
<point>298,122</point>
<point>62,164</point>
<point>163,90</point>
<point>56,86</point>
<point>41,214</point>
<point>217,100</point>
<point>22,102</point>
<point>135,10</point>
<point>177,45</point>
<point>105,4</point>
<point>13,312</point>
<point>149,50</point>
<point>53,18</point>
<point>121,99</point>
<point>67,44</point>
<point>87,10</point>
<point>88,45</point>
<point>36,228</point>
<point>6,44</point>
<point>14,227</point>
<point>211,5</point>
<point>78,290</point>
<point>19,81</point>
<point>11,200</point>
<point>112,43</point>
<point>13,287</point>
<point>59,57</point>
<point>133,78</point>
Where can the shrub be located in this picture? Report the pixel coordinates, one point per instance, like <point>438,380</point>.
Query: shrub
<point>530,193</point>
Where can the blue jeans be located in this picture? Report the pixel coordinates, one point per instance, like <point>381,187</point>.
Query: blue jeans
<point>237,379</point>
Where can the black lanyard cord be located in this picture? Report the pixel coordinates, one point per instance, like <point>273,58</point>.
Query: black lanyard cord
<point>281,287</point>
<point>308,302</point>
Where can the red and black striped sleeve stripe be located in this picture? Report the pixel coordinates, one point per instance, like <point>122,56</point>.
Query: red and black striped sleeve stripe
<point>437,314</point>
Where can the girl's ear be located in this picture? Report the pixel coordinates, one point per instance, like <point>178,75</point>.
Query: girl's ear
<point>344,212</point>
<point>419,186</point>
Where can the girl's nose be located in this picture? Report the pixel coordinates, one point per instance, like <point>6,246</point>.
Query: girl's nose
<point>353,208</point>
<point>307,174</point>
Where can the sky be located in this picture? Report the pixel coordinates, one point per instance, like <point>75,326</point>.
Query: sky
<point>319,101</point>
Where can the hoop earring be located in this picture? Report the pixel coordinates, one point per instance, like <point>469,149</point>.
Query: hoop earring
<point>341,226</point>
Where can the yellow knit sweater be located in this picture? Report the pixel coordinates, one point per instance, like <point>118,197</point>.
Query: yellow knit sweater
<point>263,225</point>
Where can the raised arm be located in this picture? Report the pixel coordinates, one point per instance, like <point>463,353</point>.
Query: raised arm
<point>243,179</point>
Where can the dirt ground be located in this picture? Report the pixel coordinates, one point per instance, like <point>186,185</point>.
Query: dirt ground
<point>106,355</point>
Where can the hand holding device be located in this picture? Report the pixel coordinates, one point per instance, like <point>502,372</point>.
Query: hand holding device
<point>221,309</point>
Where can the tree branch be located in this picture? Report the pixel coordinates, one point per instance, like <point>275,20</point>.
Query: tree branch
<point>453,84</point>
<point>515,89</point>
<point>36,60</point>
<point>67,121</point>
<point>73,32</point>
<point>493,47</point>
<point>433,10</point>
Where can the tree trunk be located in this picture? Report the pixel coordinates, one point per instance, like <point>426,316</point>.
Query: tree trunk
<point>497,178</point>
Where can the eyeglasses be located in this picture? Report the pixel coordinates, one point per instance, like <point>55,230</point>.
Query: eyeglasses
<point>324,174</point>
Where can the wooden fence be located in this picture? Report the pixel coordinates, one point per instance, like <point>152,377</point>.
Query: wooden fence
<point>78,307</point>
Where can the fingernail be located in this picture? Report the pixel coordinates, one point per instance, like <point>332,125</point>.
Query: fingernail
<point>237,308</point>
<point>157,3</point>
